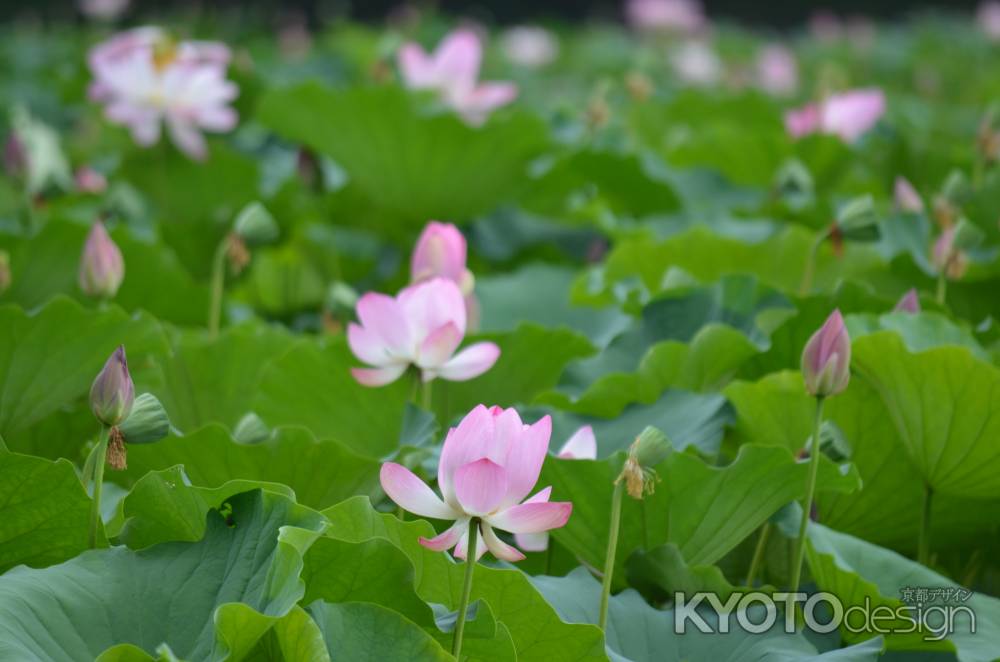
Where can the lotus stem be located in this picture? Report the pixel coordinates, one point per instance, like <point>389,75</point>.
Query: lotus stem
<point>924,542</point>
<point>97,483</point>
<point>810,268</point>
<point>426,395</point>
<point>942,289</point>
<point>800,543</point>
<point>218,285</point>
<point>758,553</point>
<point>609,562</point>
<point>463,606</point>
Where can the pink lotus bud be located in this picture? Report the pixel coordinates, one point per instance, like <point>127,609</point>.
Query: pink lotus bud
<point>909,303</point>
<point>440,252</point>
<point>695,63</point>
<point>101,265</point>
<point>826,359</point>
<point>89,180</point>
<point>15,157</point>
<point>947,258</point>
<point>907,198</point>
<point>112,393</point>
<point>777,71</point>
<point>530,46</point>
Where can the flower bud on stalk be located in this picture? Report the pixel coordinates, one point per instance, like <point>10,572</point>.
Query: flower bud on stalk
<point>102,267</point>
<point>826,359</point>
<point>113,393</point>
<point>649,449</point>
<point>909,303</point>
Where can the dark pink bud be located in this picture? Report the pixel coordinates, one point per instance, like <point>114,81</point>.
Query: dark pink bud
<point>102,267</point>
<point>909,303</point>
<point>826,359</point>
<point>112,393</point>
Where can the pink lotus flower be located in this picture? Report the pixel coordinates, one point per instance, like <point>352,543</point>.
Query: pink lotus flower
<point>144,79</point>
<point>697,64</point>
<point>847,115</point>
<point>988,18</point>
<point>581,446</point>
<point>530,46</point>
<point>440,253</point>
<point>826,358</point>
<point>89,180</point>
<point>102,268</point>
<point>907,198</point>
<point>453,71</point>
<point>103,10</point>
<point>422,326</point>
<point>489,465</point>
<point>777,70</point>
<point>909,303</point>
<point>672,15</point>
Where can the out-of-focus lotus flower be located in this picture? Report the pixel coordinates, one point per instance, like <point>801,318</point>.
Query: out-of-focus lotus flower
<point>908,303</point>
<point>825,26</point>
<point>826,358</point>
<point>103,10</point>
<point>452,70</point>
<point>102,268</point>
<point>696,63</point>
<point>144,79</point>
<point>89,180</point>
<point>112,393</point>
<point>529,46</point>
<point>777,70</point>
<point>489,465</point>
<point>685,16</point>
<point>422,326</point>
<point>581,446</point>
<point>988,18</point>
<point>847,115</point>
<point>948,258</point>
<point>440,253</point>
<point>907,198</point>
<point>15,158</point>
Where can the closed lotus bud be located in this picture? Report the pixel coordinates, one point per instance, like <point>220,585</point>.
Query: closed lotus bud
<point>101,265</point>
<point>907,198</point>
<point>858,221</point>
<point>15,158</point>
<point>826,359</point>
<point>4,271</point>
<point>909,303</point>
<point>649,449</point>
<point>112,393</point>
<point>947,258</point>
<point>89,180</point>
<point>440,252</point>
<point>255,225</point>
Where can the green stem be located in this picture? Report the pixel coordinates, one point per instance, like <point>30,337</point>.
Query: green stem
<point>924,542</point>
<point>942,288</point>
<point>97,483</point>
<point>807,272</point>
<point>609,562</point>
<point>463,606</point>
<point>426,393</point>
<point>218,284</point>
<point>800,543</point>
<point>758,553</point>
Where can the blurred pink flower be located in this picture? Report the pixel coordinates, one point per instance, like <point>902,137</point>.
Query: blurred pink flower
<point>988,18</point>
<point>143,78</point>
<point>103,10</point>
<point>906,197</point>
<point>102,267</point>
<point>675,15</point>
<point>825,26</point>
<point>440,252</point>
<point>423,327</point>
<point>947,258</point>
<point>847,115</point>
<point>697,64</point>
<point>777,70</point>
<point>89,180</point>
<point>909,303</point>
<point>529,46</point>
<point>581,446</point>
<point>452,70</point>
<point>489,464</point>
<point>826,358</point>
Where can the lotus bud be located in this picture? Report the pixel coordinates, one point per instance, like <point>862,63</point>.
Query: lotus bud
<point>89,180</point>
<point>826,359</point>
<point>101,265</point>
<point>440,252</point>
<point>147,422</point>
<point>15,157</point>
<point>649,449</point>
<point>4,271</point>
<point>947,258</point>
<point>909,303</point>
<point>255,225</point>
<point>858,221</point>
<point>251,429</point>
<point>907,198</point>
<point>112,393</point>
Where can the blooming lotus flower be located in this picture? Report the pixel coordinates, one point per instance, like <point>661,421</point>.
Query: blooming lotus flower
<point>671,15</point>
<point>144,79</point>
<point>452,70</point>
<point>909,303</point>
<point>907,198</point>
<point>112,393</point>
<point>826,358</point>
<point>102,268</point>
<point>777,70</point>
<point>847,115</point>
<point>988,19</point>
<point>529,46</point>
<point>581,446</point>
<point>489,465</point>
<point>422,326</point>
<point>696,63</point>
